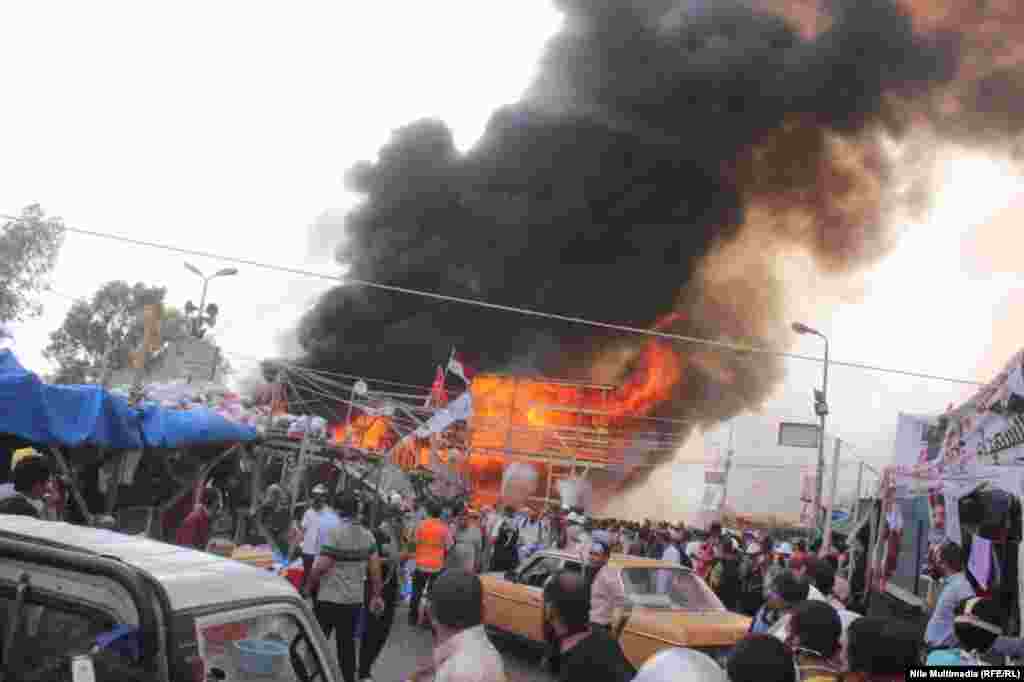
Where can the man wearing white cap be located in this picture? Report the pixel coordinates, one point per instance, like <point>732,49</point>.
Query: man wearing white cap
<point>311,530</point>
<point>578,540</point>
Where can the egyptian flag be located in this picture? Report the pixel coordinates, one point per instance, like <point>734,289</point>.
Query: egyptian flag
<point>438,393</point>
<point>458,367</point>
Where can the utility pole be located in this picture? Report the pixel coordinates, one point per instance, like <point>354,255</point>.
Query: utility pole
<point>821,409</point>
<point>216,362</point>
<point>850,545</point>
<point>728,467</point>
<point>827,539</point>
<point>358,388</point>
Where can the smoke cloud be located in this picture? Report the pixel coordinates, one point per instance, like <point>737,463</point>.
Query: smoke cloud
<point>667,158</point>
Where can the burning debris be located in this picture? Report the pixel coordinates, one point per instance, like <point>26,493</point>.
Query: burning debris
<point>666,157</point>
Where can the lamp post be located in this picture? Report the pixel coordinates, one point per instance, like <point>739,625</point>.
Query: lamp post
<point>821,409</point>
<point>211,314</point>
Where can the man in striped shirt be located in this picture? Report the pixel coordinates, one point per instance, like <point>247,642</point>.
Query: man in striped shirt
<point>347,558</point>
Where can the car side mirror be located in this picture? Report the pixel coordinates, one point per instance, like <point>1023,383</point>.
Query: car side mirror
<point>510,575</point>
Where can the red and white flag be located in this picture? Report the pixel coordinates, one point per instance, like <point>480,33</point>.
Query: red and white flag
<point>438,393</point>
<point>458,367</point>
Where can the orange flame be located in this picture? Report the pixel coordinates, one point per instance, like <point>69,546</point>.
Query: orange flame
<point>367,433</point>
<point>519,416</point>
<point>651,384</point>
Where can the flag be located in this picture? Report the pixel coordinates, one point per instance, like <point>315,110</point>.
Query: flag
<point>459,368</point>
<point>438,394</point>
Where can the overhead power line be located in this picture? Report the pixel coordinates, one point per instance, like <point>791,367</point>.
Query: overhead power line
<point>728,345</point>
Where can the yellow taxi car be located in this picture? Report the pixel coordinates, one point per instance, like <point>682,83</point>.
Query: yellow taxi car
<point>667,605</point>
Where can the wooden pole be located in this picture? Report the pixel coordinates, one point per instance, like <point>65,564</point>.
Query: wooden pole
<point>69,473</point>
<point>551,476</point>
<point>201,475</point>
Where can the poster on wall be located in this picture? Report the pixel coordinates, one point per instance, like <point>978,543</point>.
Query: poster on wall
<point>918,440</point>
<point>986,430</point>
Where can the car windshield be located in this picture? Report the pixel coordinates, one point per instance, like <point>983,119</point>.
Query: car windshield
<point>668,588</point>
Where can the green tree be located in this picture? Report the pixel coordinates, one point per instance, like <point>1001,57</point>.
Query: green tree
<point>29,245</point>
<point>99,335</point>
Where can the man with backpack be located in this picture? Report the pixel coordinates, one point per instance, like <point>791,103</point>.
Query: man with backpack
<point>753,579</point>
<point>505,552</point>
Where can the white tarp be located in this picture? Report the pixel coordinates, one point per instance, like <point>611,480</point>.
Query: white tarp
<point>460,410</point>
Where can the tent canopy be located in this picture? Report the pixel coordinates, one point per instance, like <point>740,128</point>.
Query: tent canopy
<point>72,416</point>
<point>163,428</point>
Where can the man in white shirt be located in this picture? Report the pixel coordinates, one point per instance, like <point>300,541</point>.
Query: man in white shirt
<point>329,520</point>
<point>529,534</point>
<point>463,652</point>
<point>311,531</point>
<point>671,553</point>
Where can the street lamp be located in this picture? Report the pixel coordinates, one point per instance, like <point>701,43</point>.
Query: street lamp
<point>207,314</point>
<point>821,409</point>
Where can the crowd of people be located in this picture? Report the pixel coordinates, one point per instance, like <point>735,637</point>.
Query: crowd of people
<point>805,623</point>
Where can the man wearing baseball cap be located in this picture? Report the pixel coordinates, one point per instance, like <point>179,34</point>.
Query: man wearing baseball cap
<point>31,473</point>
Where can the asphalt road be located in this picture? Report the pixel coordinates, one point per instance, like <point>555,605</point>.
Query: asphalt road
<point>408,648</point>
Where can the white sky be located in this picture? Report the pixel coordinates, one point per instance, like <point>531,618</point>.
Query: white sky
<point>227,127</point>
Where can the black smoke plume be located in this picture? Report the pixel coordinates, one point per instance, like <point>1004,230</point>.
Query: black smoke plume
<point>665,151</point>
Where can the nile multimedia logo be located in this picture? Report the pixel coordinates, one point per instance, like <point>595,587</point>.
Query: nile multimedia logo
<point>964,673</point>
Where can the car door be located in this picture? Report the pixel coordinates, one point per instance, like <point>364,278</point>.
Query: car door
<point>514,606</point>
<point>51,617</point>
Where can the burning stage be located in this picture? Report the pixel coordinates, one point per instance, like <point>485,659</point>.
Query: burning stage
<point>552,429</point>
<point>561,429</point>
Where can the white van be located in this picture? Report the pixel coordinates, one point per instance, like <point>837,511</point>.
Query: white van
<point>84,604</point>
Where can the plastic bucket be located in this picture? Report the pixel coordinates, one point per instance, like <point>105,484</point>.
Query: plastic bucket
<point>260,656</point>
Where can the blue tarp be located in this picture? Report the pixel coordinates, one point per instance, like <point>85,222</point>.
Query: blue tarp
<point>63,415</point>
<point>72,416</point>
<point>163,428</point>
